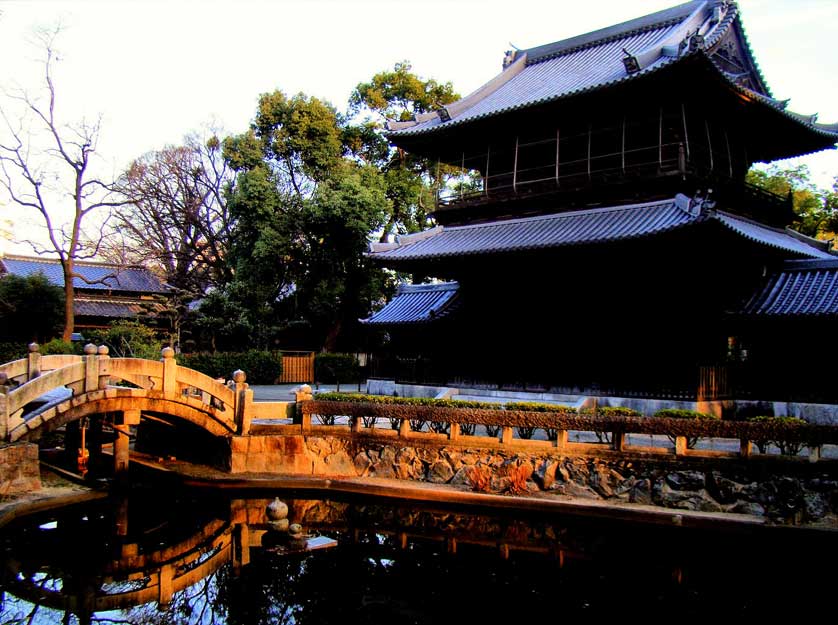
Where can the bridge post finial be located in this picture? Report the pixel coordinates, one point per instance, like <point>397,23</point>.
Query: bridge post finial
<point>102,352</point>
<point>4,407</point>
<point>169,370</point>
<point>33,361</point>
<point>244,401</point>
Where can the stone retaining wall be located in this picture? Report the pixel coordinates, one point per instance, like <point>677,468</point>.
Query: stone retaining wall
<point>801,493</point>
<point>19,469</point>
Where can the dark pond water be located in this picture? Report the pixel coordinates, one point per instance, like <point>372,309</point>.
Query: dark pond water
<point>210,558</point>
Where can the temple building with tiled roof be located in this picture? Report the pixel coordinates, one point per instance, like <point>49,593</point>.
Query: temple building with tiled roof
<point>103,293</point>
<point>613,245</point>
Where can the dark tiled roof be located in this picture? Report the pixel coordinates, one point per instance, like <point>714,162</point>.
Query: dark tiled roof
<point>108,308</point>
<point>595,60</point>
<point>419,303</point>
<point>102,276</point>
<point>583,227</point>
<point>800,289</point>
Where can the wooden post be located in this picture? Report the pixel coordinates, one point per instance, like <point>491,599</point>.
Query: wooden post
<point>169,371</point>
<point>244,403</point>
<point>680,445</point>
<point>506,435</point>
<point>618,441</point>
<point>120,450</point>
<point>33,362</point>
<point>561,439</point>
<point>104,366</point>
<point>686,134</point>
<point>454,432</point>
<point>121,427</point>
<point>241,547</point>
<point>558,138</point>
<point>746,448</point>
<point>815,453</point>
<point>515,169</point>
<point>404,428</point>
<point>4,408</point>
<point>91,368</point>
<point>354,424</point>
<point>165,588</point>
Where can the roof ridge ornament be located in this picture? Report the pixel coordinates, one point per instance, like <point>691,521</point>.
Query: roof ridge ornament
<point>630,62</point>
<point>696,41</point>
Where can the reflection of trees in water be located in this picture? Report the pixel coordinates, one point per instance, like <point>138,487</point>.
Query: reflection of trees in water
<point>196,605</point>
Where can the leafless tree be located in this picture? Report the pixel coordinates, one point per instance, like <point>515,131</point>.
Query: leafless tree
<point>177,220</point>
<point>44,162</point>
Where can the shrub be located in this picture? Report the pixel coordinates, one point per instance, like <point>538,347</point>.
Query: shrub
<point>405,401</point>
<point>59,346</point>
<point>682,413</point>
<point>261,366</point>
<point>129,339</point>
<point>480,478</point>
<point>528,406</point>
<point>779,424</point>
<point>517,478</point>
<point>12,351</point>
<point>607,411</point>
<point>336,368</point>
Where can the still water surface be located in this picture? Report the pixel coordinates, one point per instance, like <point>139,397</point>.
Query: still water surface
<point>214,558</point>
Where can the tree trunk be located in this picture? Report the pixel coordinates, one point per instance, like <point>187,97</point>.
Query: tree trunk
<point>69,301</point>
<point>332,336</point>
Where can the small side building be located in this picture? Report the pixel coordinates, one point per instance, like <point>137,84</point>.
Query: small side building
<point>104,294</point>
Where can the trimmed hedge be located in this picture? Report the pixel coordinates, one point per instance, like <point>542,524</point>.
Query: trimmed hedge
<point>782,434</point>
<point>261,367</point>
<point>683,413</point>
<point>452,411</point>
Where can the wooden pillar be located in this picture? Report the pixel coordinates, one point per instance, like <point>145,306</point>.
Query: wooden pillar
<point>561,439</point>
<point>4,408</point>
<point>120,450</point>
<point>404,428</point>
<point>746,448</point>
<point>515,169</point>
<point>680,445</point>
<point>104,362</point>
<point>354,424</point>
<point>33,362</point>
<point>91,368</point>
<point>618,441</point>
<point>241,547</point>
<point>558,139</point>
<point>454,432</point>
<point>506,435</point>
<point>165,589</point>
<point>244,402</point>
<point>169,371</point>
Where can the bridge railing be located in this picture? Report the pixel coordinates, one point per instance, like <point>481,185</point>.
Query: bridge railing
<point>445,425</point>
<point>26,380</point>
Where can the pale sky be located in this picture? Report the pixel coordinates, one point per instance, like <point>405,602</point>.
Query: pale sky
<point>156,70</point>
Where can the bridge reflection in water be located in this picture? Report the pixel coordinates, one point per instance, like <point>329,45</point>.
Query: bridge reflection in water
<point>218,560</point>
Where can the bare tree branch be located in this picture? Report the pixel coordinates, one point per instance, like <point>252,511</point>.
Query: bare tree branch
<point>69,151</point>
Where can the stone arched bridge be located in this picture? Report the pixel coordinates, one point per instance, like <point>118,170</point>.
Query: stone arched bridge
<point>96,383</point>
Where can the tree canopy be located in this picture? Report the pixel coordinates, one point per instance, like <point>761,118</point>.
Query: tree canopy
<point>816,208</point>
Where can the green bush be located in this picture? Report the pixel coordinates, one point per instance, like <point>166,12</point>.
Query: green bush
<point>406,401</point>
<point>12,351</point>
<point>129,339</point>
<point>683,413</point>
<point>261,366</point>
<point>779,425</point>
<point>531,406</point>
<point>60,346</point>
<point>336,368</point>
